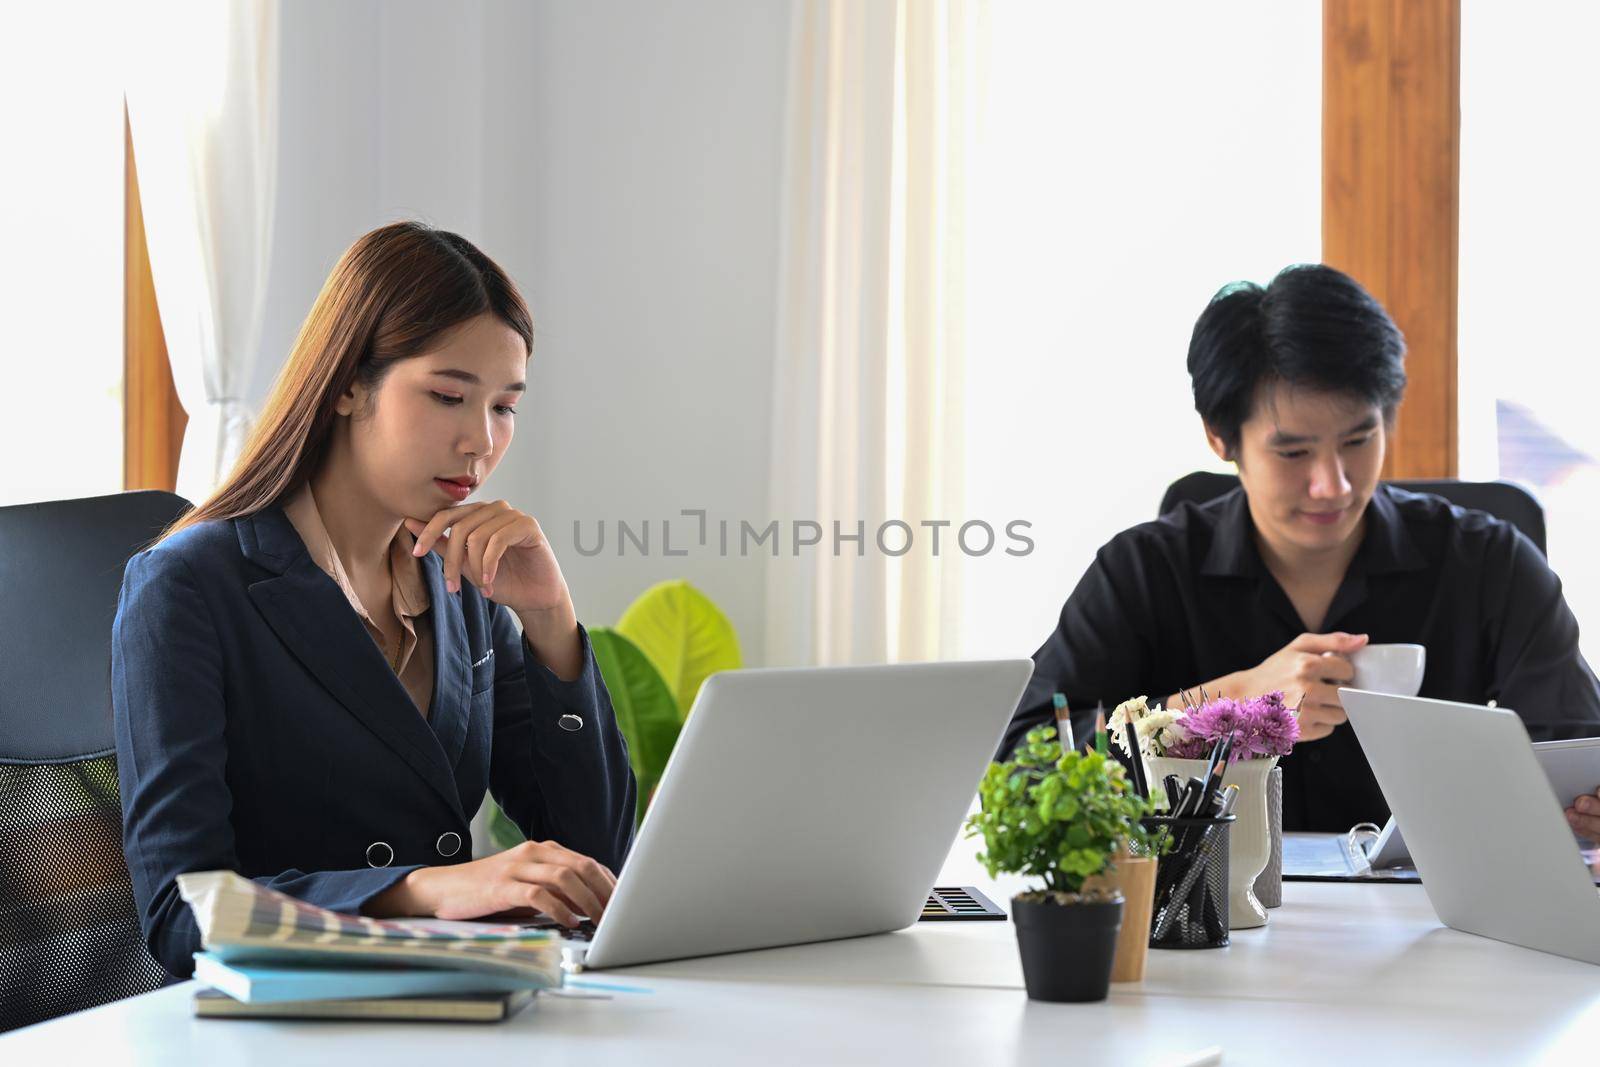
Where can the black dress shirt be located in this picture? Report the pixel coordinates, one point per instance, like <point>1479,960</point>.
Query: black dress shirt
<point>1186,598</point>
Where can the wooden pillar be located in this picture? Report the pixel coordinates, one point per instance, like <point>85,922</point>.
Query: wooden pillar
<point>1391,161</point>
<point>153,419</point>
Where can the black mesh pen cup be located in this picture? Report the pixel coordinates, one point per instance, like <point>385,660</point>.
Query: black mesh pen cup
<point>1191,902</point>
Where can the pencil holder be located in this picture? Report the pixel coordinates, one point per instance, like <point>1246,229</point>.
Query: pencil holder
<point>1191,899</point>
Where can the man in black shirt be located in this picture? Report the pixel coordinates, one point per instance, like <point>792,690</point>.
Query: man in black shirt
<point>1274,585</point>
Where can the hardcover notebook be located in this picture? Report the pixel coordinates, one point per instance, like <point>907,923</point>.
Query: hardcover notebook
<point>463,1008</point>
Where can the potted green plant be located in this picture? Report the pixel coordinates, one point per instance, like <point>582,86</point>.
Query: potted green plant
<point>1060,817</point>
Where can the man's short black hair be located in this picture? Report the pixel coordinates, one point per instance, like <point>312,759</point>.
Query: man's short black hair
<point>1313,327</point>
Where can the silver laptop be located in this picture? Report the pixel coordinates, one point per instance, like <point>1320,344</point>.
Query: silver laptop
<point>806,805</point>
<point>1487,834</point>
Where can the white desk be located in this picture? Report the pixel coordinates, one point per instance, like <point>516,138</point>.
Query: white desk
<point>1342,974</point>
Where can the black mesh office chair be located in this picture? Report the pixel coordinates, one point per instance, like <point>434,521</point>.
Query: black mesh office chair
<point>69,933</point>
<point>1505,501</point>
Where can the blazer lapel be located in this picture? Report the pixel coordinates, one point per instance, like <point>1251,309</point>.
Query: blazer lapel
<point>452,665</point>
<point>307,611</point>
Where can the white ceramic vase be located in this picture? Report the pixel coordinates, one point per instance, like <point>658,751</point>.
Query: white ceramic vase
<point>1249,839</point>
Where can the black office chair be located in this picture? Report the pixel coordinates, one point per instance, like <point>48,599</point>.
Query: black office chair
<point>69,932</point>
<point>1504,501</point>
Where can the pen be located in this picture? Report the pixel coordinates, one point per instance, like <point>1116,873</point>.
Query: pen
<point>1216,769</point>
<point>1189,807</point>
<point>1182,802</point>
<point>1230,797</point>
<point>1189,803</point>
<point>1210,771</point>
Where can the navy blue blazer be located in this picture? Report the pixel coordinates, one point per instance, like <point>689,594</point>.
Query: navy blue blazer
<point>260,729</point>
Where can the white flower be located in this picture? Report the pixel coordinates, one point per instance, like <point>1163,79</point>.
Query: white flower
<point>1129,711</point>
<point>1150,726</point>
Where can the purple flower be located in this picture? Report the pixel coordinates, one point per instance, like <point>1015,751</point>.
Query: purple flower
<point>1215,719</point>
<point>1264,726</point>
<point>1276,728</point>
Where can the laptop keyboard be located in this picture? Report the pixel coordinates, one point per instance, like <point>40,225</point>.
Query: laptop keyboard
<point>583,932</point>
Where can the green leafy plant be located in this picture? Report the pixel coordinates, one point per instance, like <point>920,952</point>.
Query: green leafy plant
<point>684,634</point>
<point>1060,817</point>
<point>503,833</point>
<point>646,712</point>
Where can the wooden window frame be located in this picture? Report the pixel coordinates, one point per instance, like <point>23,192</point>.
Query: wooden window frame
<point>1391,180</point>
<point>153,419</point>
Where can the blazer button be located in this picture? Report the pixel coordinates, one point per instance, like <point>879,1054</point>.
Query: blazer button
<point>570,722</point>
<point>449,843</point>
<point>379,854</point>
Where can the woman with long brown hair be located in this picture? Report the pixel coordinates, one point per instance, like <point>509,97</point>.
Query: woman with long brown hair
<point>316,672</point>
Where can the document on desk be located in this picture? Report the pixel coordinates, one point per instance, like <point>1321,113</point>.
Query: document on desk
<point>1309,857</point>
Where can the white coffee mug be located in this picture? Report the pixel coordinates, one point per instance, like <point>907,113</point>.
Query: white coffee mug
<point>1393,669</point>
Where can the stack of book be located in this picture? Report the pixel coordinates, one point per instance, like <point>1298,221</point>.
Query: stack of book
<point>270,955</point>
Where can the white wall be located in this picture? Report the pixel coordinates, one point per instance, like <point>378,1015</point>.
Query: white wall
<point>1096,246</point>
<point>621,161</point>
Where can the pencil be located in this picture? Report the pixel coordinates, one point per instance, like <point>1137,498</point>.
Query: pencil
<point>1141,783</point>
<point>1063,722</point>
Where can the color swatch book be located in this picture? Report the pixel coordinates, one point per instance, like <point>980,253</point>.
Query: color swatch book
<point>242,921</point>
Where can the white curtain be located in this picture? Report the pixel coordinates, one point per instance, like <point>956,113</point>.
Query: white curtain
<point>202,90</point>
<point>868,385</point>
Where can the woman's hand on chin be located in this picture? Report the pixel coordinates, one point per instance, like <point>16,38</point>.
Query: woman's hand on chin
<point>500,550</point>
<point>506,555</point>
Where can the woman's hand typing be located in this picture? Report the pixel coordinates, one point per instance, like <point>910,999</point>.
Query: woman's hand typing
<point>568,886</point>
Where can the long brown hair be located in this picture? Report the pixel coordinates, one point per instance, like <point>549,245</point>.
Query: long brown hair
<point>393,293</point>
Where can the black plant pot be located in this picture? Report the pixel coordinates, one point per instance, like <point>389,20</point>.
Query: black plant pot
<point>1067,949</point>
